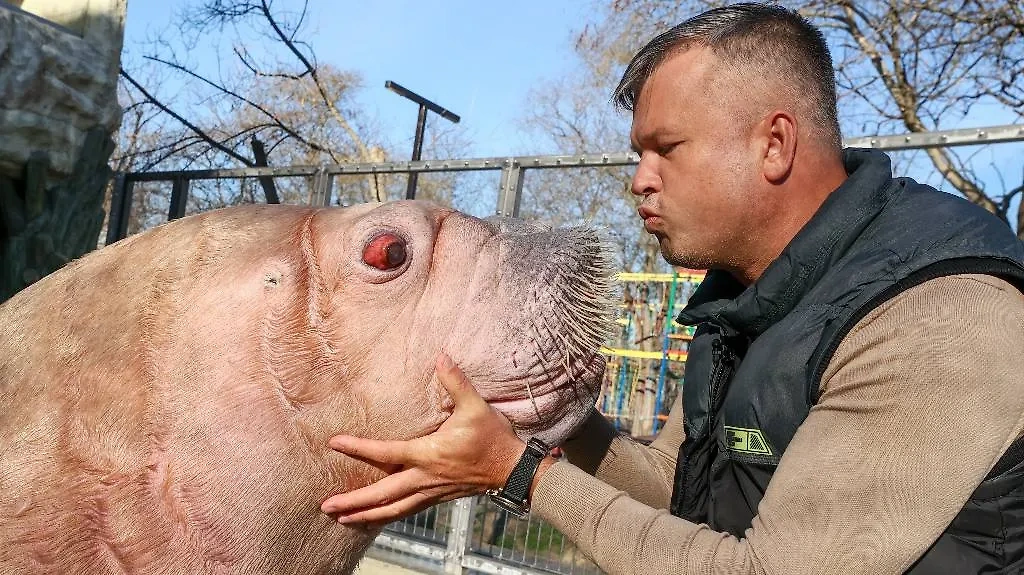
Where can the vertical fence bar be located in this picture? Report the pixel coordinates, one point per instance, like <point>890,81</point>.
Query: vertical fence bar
<point>179,198</point>
<point>120,208</point>
<point>322,184</point>
<point>458,535</point>
<point>327,189</point>
<point>511,192</point>
<point>665,342</point>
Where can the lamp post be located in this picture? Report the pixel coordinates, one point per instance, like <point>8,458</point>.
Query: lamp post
<point>421,124</point>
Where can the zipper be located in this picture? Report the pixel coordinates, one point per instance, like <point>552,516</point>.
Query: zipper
<point>722,357</point>
<point>721,368</point>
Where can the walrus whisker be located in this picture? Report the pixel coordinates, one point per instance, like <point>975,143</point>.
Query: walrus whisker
<point>541,358</point>
<point>533,400</point>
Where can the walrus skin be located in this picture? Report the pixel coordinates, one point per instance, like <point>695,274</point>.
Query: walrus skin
<point>165,402</point>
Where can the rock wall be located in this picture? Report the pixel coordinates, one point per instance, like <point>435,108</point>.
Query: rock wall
<point>56,85</point>
<point>59,61</point>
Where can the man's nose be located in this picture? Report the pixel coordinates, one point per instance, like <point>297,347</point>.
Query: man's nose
<point>646,180</point>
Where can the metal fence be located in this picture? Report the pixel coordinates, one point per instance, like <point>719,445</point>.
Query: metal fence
<point>512,170</point>
<point>474,536</point>
<point>471,535</point>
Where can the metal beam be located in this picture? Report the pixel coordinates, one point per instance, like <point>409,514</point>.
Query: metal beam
<point>943,138</point>
<point>407,93</point>
<point>430,552</point>
<point>940,139</point>
<point>510,194</point>
<point>458,535</point>
<point>451,165</point>
<point>410,546</point>
<point>323,181</point>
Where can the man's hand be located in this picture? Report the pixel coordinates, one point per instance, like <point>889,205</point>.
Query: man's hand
<point>474,450</point>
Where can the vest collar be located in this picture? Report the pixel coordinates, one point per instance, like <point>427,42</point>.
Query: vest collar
<point>844,214</point>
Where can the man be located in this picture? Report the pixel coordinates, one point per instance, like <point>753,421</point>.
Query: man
<point>853,399</point>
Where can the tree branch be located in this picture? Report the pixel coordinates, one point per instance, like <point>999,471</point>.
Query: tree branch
<point>276,121</point>
<point>192,127</point>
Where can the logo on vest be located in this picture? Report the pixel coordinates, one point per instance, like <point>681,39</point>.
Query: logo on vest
<point>746,441</point>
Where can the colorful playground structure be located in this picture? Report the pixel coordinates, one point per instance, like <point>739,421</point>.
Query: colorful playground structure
<point>647,353</point>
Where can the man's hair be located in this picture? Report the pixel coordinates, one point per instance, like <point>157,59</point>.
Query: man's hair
<point>765,36</point>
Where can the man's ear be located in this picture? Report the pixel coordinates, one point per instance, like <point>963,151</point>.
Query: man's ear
<point>780,130</point>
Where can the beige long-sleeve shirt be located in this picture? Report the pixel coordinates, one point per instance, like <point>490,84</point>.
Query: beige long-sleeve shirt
<point>920,400</point>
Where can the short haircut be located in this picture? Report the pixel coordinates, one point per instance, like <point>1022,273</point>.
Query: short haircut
<point>778,40</point>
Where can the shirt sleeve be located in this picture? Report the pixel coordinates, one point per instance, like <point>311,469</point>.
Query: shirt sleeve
<point>646,472</point>
<point>921,399</point>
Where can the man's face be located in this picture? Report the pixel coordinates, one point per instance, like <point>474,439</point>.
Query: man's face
<point>698,169</point>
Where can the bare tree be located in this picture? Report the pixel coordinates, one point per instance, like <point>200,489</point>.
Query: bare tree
<point>902,65</point>
<point>573,123</point>
<point>269,101</point>
<point>918,63</point>
<point>573,115</point>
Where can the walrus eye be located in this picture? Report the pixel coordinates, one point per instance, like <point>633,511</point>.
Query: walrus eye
<point>385,252</point>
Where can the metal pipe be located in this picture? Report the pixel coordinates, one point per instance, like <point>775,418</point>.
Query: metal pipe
<point>417,149</point>
<point>179,198</point>
<point>421,123</point>
<point>407,93</point>
<point>663,368</point>
<point>120,208</point>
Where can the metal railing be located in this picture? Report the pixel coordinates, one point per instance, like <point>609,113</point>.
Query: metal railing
<point>512,170</point>
<point>471,535</point>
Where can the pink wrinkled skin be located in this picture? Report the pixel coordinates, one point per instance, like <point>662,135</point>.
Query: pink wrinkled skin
<point>165,403</point>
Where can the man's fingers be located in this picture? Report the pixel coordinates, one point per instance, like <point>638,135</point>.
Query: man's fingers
<point>393,511</point>
<point>382,493</point>
<point>456,383</point>
<point>373,451</point>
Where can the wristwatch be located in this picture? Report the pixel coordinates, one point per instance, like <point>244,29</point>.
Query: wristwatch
<point>514,495</point>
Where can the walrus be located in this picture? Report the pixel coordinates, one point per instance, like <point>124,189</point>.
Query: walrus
<point>166,401</point>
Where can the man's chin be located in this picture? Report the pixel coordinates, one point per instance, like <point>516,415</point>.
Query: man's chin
<point>680,259</point>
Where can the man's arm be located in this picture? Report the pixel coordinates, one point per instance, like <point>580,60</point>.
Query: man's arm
<point>921,399</point>
<point>645,472</point>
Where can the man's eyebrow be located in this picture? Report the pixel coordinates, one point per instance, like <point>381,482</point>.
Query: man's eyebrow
<point>636,140</point>
<point>654,137</point>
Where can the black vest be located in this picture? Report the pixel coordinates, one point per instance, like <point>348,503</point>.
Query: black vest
<point>758,354</point>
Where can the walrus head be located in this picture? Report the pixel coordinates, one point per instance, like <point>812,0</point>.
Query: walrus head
<point>522,309</point>
<point>168,399</point>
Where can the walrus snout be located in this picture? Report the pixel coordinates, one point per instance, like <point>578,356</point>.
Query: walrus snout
<point>552,291</point>
<point>516,226</point>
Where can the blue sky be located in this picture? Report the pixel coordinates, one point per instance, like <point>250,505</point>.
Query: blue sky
<point>480,60</point>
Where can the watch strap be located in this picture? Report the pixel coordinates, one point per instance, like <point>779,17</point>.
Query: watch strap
<point>514,495</point>
<point>517,486</point>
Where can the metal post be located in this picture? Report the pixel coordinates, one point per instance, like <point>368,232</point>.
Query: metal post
<point>120,208</point>
<point>259,152</point>
<point>458,535</point>
<point>322,184</point>
<point>417,150</point>
<point>179,198</point>
<point>421,122</point>
<point>510,193</point>
<point>663,368</point>
<point>327,188</point>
